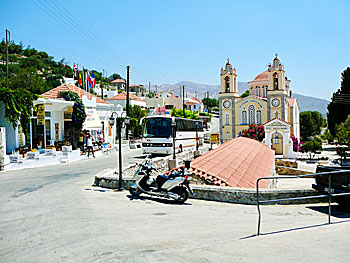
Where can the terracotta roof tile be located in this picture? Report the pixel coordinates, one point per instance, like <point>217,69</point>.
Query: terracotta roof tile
<point>292,101</point>
<point>118,81</point>
<point>55,93</point>
<point>122,96</point>
<point>277,119</point>
<point>237,163</point>
<point>264,76</point>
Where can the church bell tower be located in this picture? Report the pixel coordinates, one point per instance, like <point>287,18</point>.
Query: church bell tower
<point>227,96</point>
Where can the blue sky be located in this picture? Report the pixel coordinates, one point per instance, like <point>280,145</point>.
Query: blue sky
<point>171,41</point>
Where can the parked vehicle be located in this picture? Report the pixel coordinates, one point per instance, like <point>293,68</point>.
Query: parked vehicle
<point>340,182</point>
<point>174,186</point>
<point>159,132</point>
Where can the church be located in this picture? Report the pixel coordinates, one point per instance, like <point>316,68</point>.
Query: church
<point>269,103</point>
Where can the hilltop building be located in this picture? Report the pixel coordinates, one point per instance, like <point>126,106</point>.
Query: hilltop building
<point>269,103</point>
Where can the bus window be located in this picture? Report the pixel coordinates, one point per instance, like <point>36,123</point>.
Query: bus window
<point>158,127</point>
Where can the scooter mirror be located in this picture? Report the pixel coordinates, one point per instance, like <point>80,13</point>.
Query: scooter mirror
<point>187,164</point>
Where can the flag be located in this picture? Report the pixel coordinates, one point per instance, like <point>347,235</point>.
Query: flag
<point>89,81</point>
<point>79,78</point>
<point>75,68</point>
<point>93,78</point>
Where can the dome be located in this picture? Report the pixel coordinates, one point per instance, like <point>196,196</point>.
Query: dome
<point>264,76</point>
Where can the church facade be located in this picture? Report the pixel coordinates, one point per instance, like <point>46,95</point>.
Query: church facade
<point>269,103</point>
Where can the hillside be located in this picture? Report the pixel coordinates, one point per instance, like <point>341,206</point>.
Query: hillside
<point>306,103</point>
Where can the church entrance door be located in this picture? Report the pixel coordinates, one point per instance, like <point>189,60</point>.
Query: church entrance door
<point>277,143</point>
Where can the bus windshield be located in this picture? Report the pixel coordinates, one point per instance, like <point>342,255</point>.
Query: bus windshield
<point>157,127</point>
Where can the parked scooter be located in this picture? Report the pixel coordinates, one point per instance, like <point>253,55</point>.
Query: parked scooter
<point>172,186</point>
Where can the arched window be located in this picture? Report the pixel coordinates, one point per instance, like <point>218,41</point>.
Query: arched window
<point>227,84</point>
<point>227,118</point>
<point>275,81</point>
<point>264,91</point>
<point>257,90</point>
<point>251,114</point>
<point>227,136</point>
<point>258,117</point>
<point>251,92</point>
<point>244,117</point>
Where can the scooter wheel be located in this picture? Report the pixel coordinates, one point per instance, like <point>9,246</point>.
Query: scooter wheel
<point>134,192</point>
<point>182,193</point>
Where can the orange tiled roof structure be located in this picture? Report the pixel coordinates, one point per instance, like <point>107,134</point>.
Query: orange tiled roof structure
<point>292,101</point>
<point>55,93</point>
<point>264,76</point>
<point>122,96</point>
<point>238,162</point>
<point>118,81</point>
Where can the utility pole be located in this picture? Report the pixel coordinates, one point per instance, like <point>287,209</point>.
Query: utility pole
<point>127,99</point>
<point>149,87</point>
<point>180,92</point>
<point>195,94</point>
<point>183,100</point>
<point>156,89</point>
<point>7,57</point>
<point>103,73</point>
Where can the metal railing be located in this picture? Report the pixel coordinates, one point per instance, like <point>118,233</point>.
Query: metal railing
<point>329,193</point>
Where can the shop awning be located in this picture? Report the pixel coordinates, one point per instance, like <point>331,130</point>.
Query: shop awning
<point>92,121</point>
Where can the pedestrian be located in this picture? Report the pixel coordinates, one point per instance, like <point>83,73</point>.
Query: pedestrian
<point>89,145</point>
<point>81,141</point>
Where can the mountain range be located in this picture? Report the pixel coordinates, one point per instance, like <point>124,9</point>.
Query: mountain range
<point>306,103</point>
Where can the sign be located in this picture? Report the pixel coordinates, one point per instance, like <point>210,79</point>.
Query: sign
<point>20,136</point>
<point>57,132</point>
<point>214,137</point>
<point>40,116</point>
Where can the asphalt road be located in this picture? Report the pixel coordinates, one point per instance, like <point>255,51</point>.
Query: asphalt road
<point>52,214</point>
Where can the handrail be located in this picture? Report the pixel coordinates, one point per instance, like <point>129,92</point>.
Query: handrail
<point>329,194</point>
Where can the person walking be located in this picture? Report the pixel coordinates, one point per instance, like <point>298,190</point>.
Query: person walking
<point>89,145</point>
<point>81,142</point>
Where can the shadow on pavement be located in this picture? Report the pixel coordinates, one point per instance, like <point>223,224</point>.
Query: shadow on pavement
<point>294,229</point>
<point>336,210</point>
<point>159,200</point>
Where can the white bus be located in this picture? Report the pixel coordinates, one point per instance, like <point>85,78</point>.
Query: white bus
<point>158,134</point>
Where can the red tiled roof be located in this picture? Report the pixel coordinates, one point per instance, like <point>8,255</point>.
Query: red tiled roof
<point>122,96</point>
<point>196,100</point>
<point>237,163</point>
<point>118,81</point>
<point>292,101</point>
<point>276,119</point>
<point>191,103</point>
<point>134,85</point>
<point>264,76</point>
<point>55,93</point>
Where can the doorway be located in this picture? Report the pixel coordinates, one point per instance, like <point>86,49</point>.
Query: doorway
<point>277,143</point>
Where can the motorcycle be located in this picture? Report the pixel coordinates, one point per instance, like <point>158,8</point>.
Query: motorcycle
<point>175,186</point>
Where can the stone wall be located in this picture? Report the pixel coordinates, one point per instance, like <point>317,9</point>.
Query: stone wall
<point>110,179</point>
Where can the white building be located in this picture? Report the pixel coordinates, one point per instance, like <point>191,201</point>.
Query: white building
<point>121,100</point>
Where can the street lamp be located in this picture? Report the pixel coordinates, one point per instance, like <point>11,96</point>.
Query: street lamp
<point>118,116</point>
<point>173,126</point>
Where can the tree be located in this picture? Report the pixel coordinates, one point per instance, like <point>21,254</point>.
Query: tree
<point>312,147</point>
<point>310,124</point>
<point>209,102</point>
<point>256,132</point>
<point>114,76</point>
<point>338,108</point>
<point>136,113</point>
<point>343,132</point>
<point>188,114</point>
<point>245,94</point>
